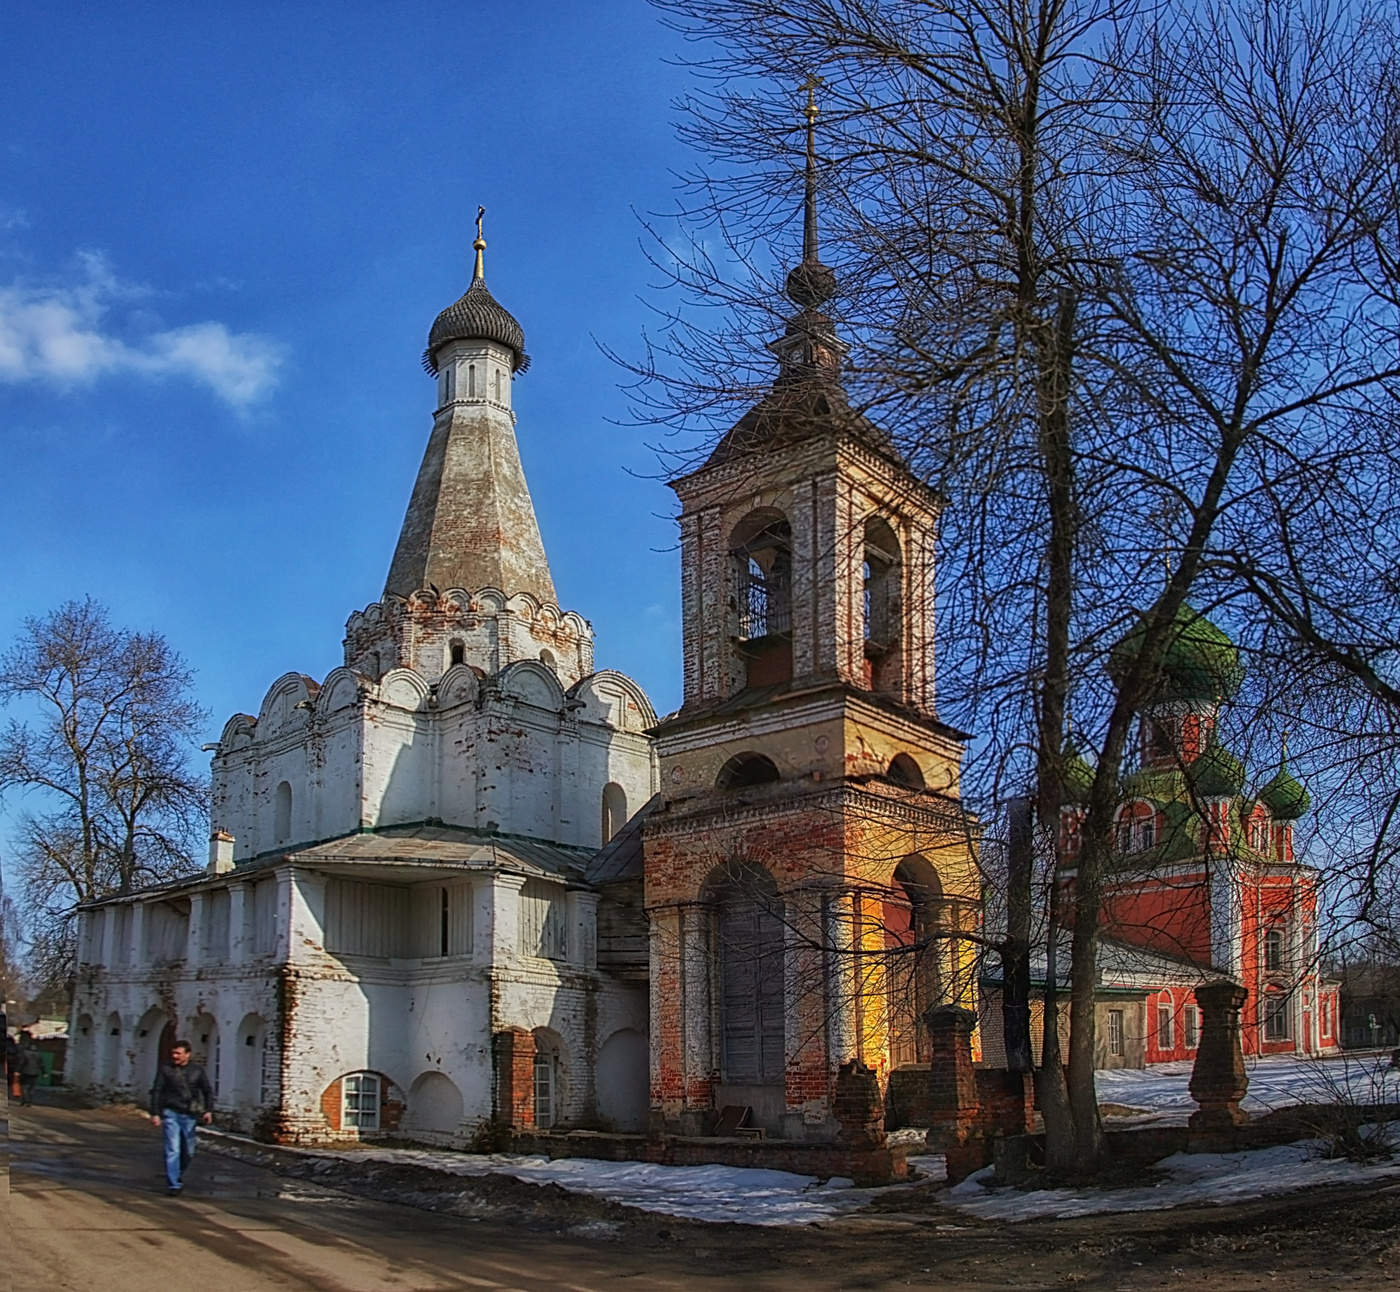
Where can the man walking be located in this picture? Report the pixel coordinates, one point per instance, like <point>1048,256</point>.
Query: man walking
<point>181,1098</point>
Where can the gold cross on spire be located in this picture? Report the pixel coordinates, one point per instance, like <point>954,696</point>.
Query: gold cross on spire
<point>811,85</point>
<point>479,246</point>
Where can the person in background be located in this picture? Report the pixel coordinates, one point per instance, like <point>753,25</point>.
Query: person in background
<point>181,1099</point>
<point>12,1066</point>
<point>31,1065</point>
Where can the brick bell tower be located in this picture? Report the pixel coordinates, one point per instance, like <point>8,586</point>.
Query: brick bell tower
<point>809,857</point>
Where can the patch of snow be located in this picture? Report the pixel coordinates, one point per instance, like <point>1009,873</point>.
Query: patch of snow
<point>750,1196</point>
<point>740,1195</point>
<point>1190,1178</point>
<point>1274,1081</point>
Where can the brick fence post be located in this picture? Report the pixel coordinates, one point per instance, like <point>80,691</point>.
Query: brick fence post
<point>1218,1080</point>
<point>858,1106</point>
<point>952,1078</point>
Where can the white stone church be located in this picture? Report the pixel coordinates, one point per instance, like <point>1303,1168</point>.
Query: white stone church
<point>398,926</point>
<point>469,883</point>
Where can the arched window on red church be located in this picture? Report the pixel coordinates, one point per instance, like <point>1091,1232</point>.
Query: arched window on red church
<point>1136,827</point>
<point>1258,831</point>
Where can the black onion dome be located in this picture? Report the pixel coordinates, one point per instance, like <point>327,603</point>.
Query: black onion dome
<point>476,316</point>
<point>810,284</point>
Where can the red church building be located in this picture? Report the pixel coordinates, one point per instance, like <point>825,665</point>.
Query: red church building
<point>1205,882</point>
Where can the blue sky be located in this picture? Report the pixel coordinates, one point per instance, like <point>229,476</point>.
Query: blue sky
<point>224,233</point>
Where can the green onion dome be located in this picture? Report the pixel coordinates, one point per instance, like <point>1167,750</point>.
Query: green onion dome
<point>1076,778</point>
<point>1216,773</point>
<point>1199,663</point>
<point>1285,796</point>
<point>1155,784</point>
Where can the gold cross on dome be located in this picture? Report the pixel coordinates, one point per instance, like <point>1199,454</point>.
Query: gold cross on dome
<point>811,84</point>
<point>479,246</point>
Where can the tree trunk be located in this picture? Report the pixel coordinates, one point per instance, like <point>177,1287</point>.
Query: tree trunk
<point>1056,372</point>
<point>1016,951</point>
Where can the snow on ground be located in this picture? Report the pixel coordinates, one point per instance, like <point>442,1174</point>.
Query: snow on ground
<point>756,1197</point>
<point>1274,1080</point>
<point>1190,1178</point>
<point>742,1195</point>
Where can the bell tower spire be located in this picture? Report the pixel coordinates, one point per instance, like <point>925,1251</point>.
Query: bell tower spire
<point>470,523</point>
<point>810,346</point>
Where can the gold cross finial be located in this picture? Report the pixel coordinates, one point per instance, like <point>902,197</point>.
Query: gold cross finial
<point>479,246</point>
<point>1284,742</point>
<point>810,85</point>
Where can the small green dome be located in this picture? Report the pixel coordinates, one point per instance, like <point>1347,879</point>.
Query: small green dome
<point>1077,778</point>
<point>1199,663</point>
<point>1155,784</point>
<point>1285,796</point>
<point>1216,773</point>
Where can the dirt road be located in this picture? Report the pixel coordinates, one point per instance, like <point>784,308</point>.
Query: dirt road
<point>88,1211</point>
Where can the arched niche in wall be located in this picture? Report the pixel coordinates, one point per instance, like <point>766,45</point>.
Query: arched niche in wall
<point>340,691</point>
<point>434,1105</point>
<point>903,770</point>
<point>404,689</point>
<point>288,703</point>
<point>532,683</point>
<point>613,699</point>
<point>282,815</point>
<point>746,770</point>
<point>459,685</point>
<point>614,809</point>
<point>239,732</point>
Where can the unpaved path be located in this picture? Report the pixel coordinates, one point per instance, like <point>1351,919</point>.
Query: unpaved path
<point>87,1210</point>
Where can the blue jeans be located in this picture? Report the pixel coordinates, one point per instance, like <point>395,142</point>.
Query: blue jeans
<point>179,1132</point>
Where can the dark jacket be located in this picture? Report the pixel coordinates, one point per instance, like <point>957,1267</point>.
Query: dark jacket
<point>31,1062</point>
<point>182,1090</point>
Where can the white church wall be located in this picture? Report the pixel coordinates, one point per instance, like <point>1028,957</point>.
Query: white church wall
<point>399,766</point>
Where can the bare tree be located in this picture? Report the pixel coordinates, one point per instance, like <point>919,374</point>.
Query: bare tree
<point>1124,288</point>
<point>102,752</point>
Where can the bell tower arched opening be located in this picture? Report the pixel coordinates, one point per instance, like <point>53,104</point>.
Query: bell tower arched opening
<point>760,548</point>
<point>882,607</point>
<point>914,954</point>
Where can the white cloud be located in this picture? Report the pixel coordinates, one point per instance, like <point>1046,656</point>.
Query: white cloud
<point>73,331</point>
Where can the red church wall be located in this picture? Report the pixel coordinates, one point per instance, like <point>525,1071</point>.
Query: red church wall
<point>1288,903</point>
<point>1170,915</point>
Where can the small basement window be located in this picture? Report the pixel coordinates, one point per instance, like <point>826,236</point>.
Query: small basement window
<point>360,1106</point>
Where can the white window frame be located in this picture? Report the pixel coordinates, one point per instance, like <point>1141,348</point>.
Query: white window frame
<point>1277,1022</point>
<point>1191,1027</point>
<point>1166,1035</point>
<point>356,1090</point>
<point>544,1089</point>
<point>1115,1032</point>
<point>1272,950</point>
